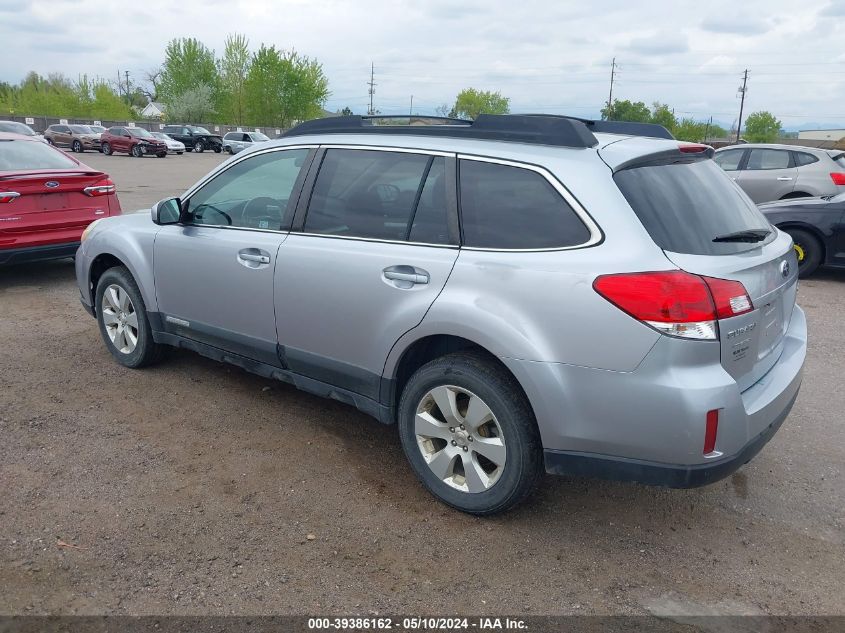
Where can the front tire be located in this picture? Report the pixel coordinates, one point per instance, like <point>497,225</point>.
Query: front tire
<point>136,151</point>
<point>808,250</point>
<point>161,155</point>
<point>122,317</point>
<point>77,147</point>
<point>469,434</point>
<point>199,147</point>
<point>218,149</point>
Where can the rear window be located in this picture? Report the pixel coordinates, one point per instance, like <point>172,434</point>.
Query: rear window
<point>16,155</point>
<point>839,160</point>
<point>803,158</point>
<point>683,206</point>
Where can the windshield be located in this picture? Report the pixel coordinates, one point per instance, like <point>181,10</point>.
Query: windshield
<point>98,129</point>
<point>258,136</point>
<point>16,128</point>
<point>139,132</point>
<point>160,135</point>
<point>15,155</point>
<point>685,206</point>
<point>199,130</point>
<point>81,129</point>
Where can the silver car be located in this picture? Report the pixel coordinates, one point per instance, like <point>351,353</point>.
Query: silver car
<point>518,294</point>
<point>234,142</point>
<point>173,146</point>
<point>769,172</point>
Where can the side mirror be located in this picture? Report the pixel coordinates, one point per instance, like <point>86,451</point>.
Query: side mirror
<point>167,211</point>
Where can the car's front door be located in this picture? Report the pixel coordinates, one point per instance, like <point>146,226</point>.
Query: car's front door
<point>768,174</point>
<point>377,244</point>
<point>214,271</point>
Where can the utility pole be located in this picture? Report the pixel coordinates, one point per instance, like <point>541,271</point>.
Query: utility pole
<point>742,91</point>
<point>119,84</point>
<point>127,85</point>
<point>612,77</point>
<point>707,129</point>
<point>411,111</point>
<point>372,90</point>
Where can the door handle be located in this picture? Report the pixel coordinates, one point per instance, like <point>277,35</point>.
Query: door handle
<point>784,178</point>
<point>253,258</point>
<point>406,275</point>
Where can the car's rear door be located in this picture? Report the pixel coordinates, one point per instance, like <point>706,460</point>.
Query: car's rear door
<point>768,174</point>
<point>214,272</point>
<point>373,251</point>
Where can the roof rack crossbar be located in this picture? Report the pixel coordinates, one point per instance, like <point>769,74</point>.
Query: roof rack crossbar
<point>540,129</point>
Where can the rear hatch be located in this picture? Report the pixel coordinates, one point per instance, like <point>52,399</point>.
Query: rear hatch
<point>52,207</point>
<point>707,226</point>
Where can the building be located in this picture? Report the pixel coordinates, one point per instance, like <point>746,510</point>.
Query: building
<point>822,135</point>
<point>153,110</point>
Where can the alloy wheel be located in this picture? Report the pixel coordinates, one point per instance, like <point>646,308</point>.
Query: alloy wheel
<point>120,319</point>
<point>460,439</point>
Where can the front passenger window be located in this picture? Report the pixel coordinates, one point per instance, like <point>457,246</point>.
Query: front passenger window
<point>253,193</point>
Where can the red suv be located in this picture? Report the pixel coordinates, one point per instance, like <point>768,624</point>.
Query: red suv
<point>47,199</point>
<point>135,141</point>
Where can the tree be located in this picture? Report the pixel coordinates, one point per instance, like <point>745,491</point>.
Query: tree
<point>347,111</point>
<point>761,127</point>
<point>195,105</point>
<point>662,114</point>
<point>188,64</point>
<point>471,102</point>
<point>283,87</point>
<point>234,68</point>
<point>626,111</point>
<point>442,110</point>
<point>690,130</point>
<point>58,96</point>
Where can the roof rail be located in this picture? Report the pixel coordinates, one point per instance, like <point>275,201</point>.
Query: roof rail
<point>540,129</point>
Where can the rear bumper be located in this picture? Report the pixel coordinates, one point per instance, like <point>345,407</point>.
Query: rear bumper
<point>657,474</point>
<point>648,425</point>
<point>37,253</point>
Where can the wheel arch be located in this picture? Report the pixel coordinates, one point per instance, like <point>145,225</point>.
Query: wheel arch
<point>425,349</point>
<point>134,252</point>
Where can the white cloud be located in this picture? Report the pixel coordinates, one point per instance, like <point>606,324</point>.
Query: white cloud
<point>545,56</point>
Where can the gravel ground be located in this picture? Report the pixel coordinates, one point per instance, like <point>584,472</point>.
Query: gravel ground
<point>193,488</point>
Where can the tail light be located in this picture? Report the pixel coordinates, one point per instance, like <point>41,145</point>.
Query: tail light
<point>693,148</point>
<point>102,188</point>
<point>675,302</point>
<point>837,177</point>
<point>8,196</point>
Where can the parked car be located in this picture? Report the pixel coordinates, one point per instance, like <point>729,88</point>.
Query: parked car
<point>134,141</point>
<point>517,293</point>
<point>769,172</point>
<point>817,228</point>
<point>173,146</point>
<point>234,142</point>
<point>47,199</point>
<point>195,138</point>
<point>97,129</point>
<point>15,127</point>
<point>77,137</point>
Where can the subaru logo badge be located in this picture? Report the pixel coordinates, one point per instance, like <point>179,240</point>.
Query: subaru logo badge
<point>52,184</point>
<point>784,268</point>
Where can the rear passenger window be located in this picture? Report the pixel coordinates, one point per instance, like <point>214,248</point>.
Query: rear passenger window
<point>802,158</point>
<point>373,194</point>
<point>729,160</point>
<point>768,159</point>
<point>514,208</point>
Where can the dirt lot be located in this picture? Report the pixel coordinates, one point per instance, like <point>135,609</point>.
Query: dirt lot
<point>192,488</point>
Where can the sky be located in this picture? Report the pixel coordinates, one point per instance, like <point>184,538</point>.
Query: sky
<point>545,56</point>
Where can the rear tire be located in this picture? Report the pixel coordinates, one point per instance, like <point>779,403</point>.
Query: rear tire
<point>122,317</point>
<point>106,149</point>
<point>809,250</point>
<point>500,459</point>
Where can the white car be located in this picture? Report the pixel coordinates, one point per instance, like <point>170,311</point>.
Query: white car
<point>173,146</point>
<point>235,142</point>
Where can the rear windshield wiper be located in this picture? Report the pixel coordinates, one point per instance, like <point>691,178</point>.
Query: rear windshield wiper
<point>748,235</point>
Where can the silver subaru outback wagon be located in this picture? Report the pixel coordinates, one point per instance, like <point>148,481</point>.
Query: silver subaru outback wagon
<point>518,294</point>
